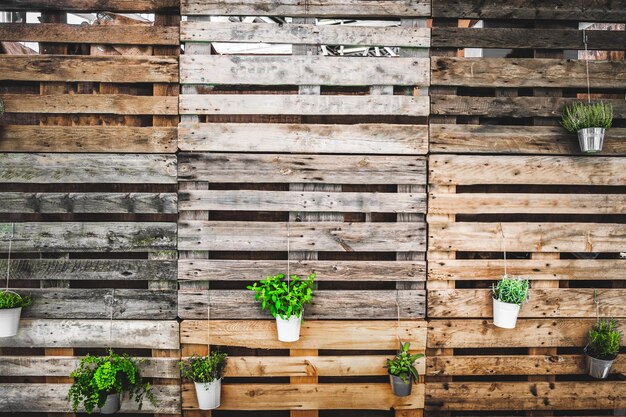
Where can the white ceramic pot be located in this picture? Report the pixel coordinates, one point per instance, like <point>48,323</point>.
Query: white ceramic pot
<point>288,330</point>
<point>209,394</point>
<point>505,314</point>
<point>9,321</point>
<point>111,405</point>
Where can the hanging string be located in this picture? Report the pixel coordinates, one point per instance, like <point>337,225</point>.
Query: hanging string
<point>208,313</point>
<point>503,245</point>
<point>288,257</point>
<point>111,318</point>
<point>9,255</point>
<point>587,65</point>
<point>398,317</point>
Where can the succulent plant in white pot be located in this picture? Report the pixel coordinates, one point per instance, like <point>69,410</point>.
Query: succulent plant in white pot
<point>508,296</point>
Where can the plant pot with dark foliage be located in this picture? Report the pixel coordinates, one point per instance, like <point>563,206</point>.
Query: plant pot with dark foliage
<point>206,373</point>
<point>11,305</point>
<point>602,348</point>
<point>402,371</point>
<point>100,381</point>
<point>590,121</point>
<point>285,300</point>
<point>508,296</point>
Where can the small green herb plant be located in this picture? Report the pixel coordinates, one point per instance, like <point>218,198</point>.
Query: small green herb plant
<point>402,365</point>
<point>204,369</point>
<point>1,107</point>
<point>604,340</point>
<point>99,376</point>
<point>281,298</point>
<point>580,115</point>
<point>9,299</point>
<point>511,290</point>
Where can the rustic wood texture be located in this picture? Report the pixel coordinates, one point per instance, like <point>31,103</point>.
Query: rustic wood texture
<point>142,6</point>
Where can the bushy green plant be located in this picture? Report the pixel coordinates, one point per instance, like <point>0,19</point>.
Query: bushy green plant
<point>1,107</point>
<point>10,299</point>
<point>204,369</point>
<point>99,376</point>
<point>511,290</point>
<point>580,115</point>
<point>283,299</point>
<point>402,365</point>
<point>604,340</point>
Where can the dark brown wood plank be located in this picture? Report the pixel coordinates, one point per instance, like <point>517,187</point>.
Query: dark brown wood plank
<point>141,6</point>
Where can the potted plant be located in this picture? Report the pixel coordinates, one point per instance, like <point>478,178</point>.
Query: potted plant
<point>206,373</point>
<point>11,305</point>
<point>602,348</point>
<point>99,382</point>
<point>285,301</point>
<point>508,295</point>
<point>589,120</point>
<point>402,371</point>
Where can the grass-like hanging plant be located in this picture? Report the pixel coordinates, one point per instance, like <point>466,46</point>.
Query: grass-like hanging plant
<point>511,290</point>
<point>580,115</point>
<point>604,340</point>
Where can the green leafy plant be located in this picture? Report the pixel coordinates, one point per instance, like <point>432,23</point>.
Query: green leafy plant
<point>99,376</point>
<point>511,290</point>
<point>402,365</point>
<point>1,107</point>
<point>281,298</point>
<point>204,369</point>
<point>10,299</point>
<point>580,115</point>
<point>604,340</point>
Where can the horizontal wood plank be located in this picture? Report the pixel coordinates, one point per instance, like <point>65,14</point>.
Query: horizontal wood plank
<point>330,304</point>
<point>311,105</point>
<point>528,237</point>
<point>112,69</point>
<point>309,397</point>
<point>299,34</point>
<point>142,6</point>
<point>511,139</point>
<point>548,170</point>
<point>193,270</point>
<point>315,334</point>
<point>131,334</point>
<point>88,236</point>
<point>304,138</point>
<point>302,70</point>
<point>330,169</point>
<point>525,72</point>
<point>318,236</point>
<point>307,201</point>
<point>46,168</point>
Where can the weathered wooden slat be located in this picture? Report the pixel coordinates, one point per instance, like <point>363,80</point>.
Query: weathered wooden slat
<point>91,269</point>
<point>304,138</point>
<point>604,10</point>
<point>302,70</point>
<point>15,202</point>
<point>473,203</point>
<point>310,236</point>
<point>61,366</point>
<point>526,395</point>
<point>87,168</point>
<point>242,168</point>
<point>552,170</point>
<point>88,237</point>
<point>525,72</point>
<point>100,34</point>
<point>36,397</point>
<point>122,139</point>
<point>315,334</point>
<point>543,303</point>
<point>356,396</point>
<point>309,201</point>
<point>528,333</point>
<point>304,34</point>
<point>242,270</point>
<point>333,304</point>
<point>334,8</point>
<point>446,37</point>
<point>89,103</point>
<point>141,6</point>
<point>132,334</point>
<point>66,68</point>
<point>513,365</point>
<point>283,104</point>
<point>565,269</point>
<point>101,303</point>
<point>512,139</point>
<point>528,237</point>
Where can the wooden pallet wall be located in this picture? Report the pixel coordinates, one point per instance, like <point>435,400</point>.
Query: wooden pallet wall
<point>88,195</point>
<point>504,176</point>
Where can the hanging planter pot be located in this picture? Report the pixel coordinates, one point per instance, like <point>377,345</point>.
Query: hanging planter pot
<point>209,394</point>
<point>111,405</point>
<point>505,314</point>
<point>598,368</point>
<point>399,387</point>
<point>591,139</point>
<point>508,295</point>
<point>11,305</point>
<point>589,121</point>
<point>206,372</point>
<point>602,348</point>
<point>289,329</point>
<point>402,371</point>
